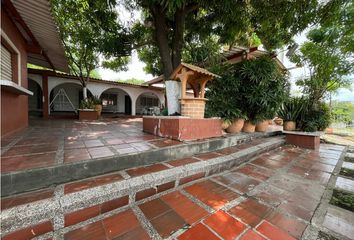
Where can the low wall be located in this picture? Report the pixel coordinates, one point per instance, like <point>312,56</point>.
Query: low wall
<point>182,128</point>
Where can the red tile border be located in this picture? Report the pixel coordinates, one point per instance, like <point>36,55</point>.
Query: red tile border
<point>30,232</point>
<point>191,178</point>
<point>114,204</point>
<point>145,193</point>
<point>198,232</point>
<point>81,215</point>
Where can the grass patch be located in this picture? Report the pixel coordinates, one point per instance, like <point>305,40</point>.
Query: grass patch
<point>349,159</point>
<point>343,199</point>
<point>325,236</point>
<point>347,172</point>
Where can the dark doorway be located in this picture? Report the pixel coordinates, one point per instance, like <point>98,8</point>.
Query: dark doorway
<point>128,105</point>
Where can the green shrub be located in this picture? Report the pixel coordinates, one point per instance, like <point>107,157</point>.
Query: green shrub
<point>314,117</point>
<point>87,104</point>
<point>343,199</point>
<point>96,100</point>
<point>291,109</point>
<point>222,94</point>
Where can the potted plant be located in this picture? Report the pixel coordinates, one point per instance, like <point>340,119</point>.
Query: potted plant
<point>290,112</point>
<point>224,100</point>
<point>87,110</point>
<point>263,88</point>
<point>98,105</point>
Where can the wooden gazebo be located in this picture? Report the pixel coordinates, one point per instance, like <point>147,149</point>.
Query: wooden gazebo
<point>195,78</point>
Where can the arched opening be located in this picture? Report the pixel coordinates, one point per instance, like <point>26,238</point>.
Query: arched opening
<point>117,101</point>
<point>148,104</point>
<point>35,102</point>
<point>66,98</point>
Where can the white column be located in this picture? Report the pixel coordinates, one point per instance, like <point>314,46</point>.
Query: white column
<point>173,94</point>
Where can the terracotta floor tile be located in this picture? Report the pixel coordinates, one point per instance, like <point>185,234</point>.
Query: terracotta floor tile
<point>225,225</point>
<point>246,216</point>
<point>114,141</point>
<point>211,193</point>
<point>75,155</point>
<point>251,235</point>
<point>198,232</point>
<point>165,143</point>
<point>136,234</point>
<point>93,143</point>
<point>168,223</point>
<point>109,178</point>
<point>256,172</point>
<point>145,170</point>
<point>99,152</point>
<point>268,163</point>
<point>296,210</point>
<point>81,215</point>
<point>74,144</point>
<point>273,232</point>
<point>289,225</point>
<point>184,207</point>
<point>239,182</point>
<point>208,155</point>
<point>79,186</point>
<point>154,208</point>
<point>183,161</point>
<point>18,163</point>
<point>24,198</point>
<point>93,231</point>
<point>114,204</point>
<point>120,224</point>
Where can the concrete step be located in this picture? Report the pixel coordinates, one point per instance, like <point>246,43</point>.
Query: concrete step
<point>72,203</point>
<point>38,178</point>
<point>340,222</point>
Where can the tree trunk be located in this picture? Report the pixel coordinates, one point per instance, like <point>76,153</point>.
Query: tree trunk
<point>84,93</point>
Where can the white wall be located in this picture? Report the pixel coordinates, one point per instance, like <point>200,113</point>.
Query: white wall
<point>97,88</point>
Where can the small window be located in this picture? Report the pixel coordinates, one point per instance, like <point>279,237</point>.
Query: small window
<point>6,64</point>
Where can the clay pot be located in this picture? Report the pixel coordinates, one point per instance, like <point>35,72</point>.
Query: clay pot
<point>225,125</point>
<point>262,126</point>
<point>289,125</point>
<point>248,127</point>
<point>329,130</point>
<point>278,121</point>
<point>236,126</point>
<point>98,109</point>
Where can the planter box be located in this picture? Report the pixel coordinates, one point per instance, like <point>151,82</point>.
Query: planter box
<point>88,114</point>
<point>310,140</point>
<point>182,128</point>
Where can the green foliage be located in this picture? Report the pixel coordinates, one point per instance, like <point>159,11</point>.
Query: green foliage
<point>328,53</point>
<point>253,89</point>
<point>89,28</point>
<point>96,100</point>
<point>133,81</point>
<point>95,74</point>
<point>263,88</point>
<point>347,172</point>
<point>291,109</point>
<point>171,31</point>
<point>223,100</point>
<point>316,118</point>
<point>343,112</point>
<point>87,104</point>
<point>343,199</point>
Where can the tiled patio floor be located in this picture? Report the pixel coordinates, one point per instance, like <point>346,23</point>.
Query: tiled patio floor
<point>272,197</point>
<point>52,142</point>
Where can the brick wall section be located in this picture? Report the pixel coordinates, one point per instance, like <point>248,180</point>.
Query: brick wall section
<point>183,128</point>
<point>14,107</point>
<point>193,108</point>
<point>305,141</point>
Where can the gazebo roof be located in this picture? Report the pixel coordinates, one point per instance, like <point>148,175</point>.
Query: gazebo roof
<point>199,70</point>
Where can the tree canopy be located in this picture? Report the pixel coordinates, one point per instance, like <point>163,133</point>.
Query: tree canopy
<point>171,30</point>
<point>328,54</point>
<point>89,29</point>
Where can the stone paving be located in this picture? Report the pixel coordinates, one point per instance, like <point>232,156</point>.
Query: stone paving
<point>53,142</point>
<point>274,196</point>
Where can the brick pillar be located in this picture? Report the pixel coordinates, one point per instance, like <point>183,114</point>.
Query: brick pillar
<point>193,107</point>
<point>45,96</point>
